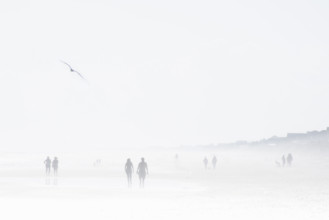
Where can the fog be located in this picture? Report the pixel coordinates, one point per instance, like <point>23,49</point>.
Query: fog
<point>160,73</point>
<point>170,82</point>
<point>245,184</point>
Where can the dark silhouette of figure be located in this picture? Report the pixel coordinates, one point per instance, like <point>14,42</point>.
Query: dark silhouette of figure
<point>214,162</point>
<point>283,158</point>
<point>55,165</point>
<point>129,168</point>
<point>142,171</point>
<point>47,163</point>
<point>205,162</point>
<point>289,159</point>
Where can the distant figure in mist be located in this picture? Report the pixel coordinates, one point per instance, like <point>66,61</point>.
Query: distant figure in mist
<point>55,165</point>
<point>214,162</point>
<point>129,168</point>
<point>289,159</point>
<point>142,171</point>
<point>205,162</point>
<point>283,159</point>
<point>176,161</point>
<point>47,163</point>
<point>97,163</point>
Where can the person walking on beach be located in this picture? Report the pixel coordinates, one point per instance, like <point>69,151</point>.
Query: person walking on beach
<point>142,171</point>
<point>205,162</point>
<point>283,158</point>
<point>214,162</point>
<point>289,159</point>
<point>129,168</point>
<point>47,163</point>
<point>55,165</point>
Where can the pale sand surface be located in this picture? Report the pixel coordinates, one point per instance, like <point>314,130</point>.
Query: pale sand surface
<point>245,185</point>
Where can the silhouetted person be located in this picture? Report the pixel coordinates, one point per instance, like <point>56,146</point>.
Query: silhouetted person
<point>214,162</point>
<point>289,159</point>
<point>129,168</point>
<point>176,156</point>
<point>283,158</point>
<point>47,163</point>
<point>205,162</point>
<point>142,171</point>
<point>55,165</point>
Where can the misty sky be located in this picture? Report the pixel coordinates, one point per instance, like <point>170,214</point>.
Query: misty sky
<point>161,73</point>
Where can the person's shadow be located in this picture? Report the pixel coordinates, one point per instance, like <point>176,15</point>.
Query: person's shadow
<point>47,181</point>
<point>55,181</point>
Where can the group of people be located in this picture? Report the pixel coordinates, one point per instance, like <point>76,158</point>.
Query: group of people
<point>213,161</point>
<point>287,160</point>
<point>142,171</point>
<point>97,163</point>
<point>48,163</point>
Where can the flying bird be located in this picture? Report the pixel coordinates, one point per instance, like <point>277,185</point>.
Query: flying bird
<point>72,70</point>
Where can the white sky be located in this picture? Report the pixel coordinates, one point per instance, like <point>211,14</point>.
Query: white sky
<point>161,73</point>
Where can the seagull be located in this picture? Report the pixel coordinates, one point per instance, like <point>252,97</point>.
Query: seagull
<point>72,70</point>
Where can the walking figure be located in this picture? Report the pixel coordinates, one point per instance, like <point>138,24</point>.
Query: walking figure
<point>55,165</point>
<point>289,159</point>
<point>47,163</point>
<point>129,168</point>
<point>214,162</point>
<point>205,162</point>
<point>283,158</point>
<point>142,171</point>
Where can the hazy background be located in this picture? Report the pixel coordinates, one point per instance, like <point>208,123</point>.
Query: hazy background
<point>161,73</point>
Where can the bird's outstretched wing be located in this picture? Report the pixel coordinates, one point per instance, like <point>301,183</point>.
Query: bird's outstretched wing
<point>79,74</point>
<point>66,64</point>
